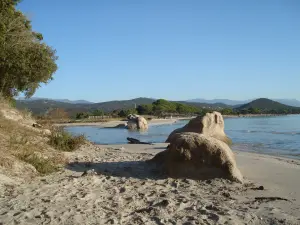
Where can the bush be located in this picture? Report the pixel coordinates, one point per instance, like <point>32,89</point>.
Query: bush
<point>81,115</point>
<point>43,166</point>
<point>64,141</point>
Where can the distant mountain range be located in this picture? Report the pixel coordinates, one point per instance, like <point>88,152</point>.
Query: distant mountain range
<point>40,106</point>
<point>57,100</point>
<point>290,102</point>
<point>220,102</point>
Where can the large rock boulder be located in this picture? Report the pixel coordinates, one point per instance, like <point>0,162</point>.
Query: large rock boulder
<point>197,156</point>
<point>212,124</point>
<point>137,123</point>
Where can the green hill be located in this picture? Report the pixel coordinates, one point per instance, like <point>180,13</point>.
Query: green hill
<point>264,105</point>
<point>42,106</point>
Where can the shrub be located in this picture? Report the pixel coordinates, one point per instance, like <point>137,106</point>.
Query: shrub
<point>64,141</point>
<point>43,166</point>
<point>82,115</point>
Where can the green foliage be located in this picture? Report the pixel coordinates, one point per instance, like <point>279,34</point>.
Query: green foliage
<point>145,109</point>
<point>80,116</point>
<point>254,110</point>
<point>227,111</point>
<point>186,109</point>
<point>126,112</point>
<point>25,61</point>
<point>97,112</point>
<point>162,106</point>
<point>267,106</point>
<point>64,141</point>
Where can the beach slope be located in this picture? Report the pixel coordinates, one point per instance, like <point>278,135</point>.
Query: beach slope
<point>113,184</point>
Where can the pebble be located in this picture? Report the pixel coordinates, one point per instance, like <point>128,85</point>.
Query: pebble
<point>122,190</point>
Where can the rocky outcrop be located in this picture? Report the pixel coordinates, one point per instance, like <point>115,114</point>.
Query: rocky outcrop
<point>212,125</point>
<point>137,123</point>
<point>197,156</point>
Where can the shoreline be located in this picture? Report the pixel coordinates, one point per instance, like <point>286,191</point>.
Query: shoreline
<point>162,145</point>
<point>110,124</point>
<point>253,115</point>
<point>113,123</point>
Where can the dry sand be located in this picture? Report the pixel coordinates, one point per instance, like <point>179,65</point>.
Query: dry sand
<point>121,188</point>
<point>117,122</point>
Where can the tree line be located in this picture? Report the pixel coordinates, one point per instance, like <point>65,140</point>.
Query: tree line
<point>161,108</point>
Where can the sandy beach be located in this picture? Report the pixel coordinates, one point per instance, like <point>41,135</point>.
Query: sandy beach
<point>112,184</point>
<point>114,123</point>
<point>118,122</point>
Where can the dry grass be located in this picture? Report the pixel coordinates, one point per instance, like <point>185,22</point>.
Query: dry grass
<point>64,141</point>
<point>42,165</point>
<point>26,144</point>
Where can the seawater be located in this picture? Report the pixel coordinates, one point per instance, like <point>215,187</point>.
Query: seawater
<point>278,135</point>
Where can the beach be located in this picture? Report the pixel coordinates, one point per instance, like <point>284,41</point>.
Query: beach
<point>112,184</point>
<point>114,123</point>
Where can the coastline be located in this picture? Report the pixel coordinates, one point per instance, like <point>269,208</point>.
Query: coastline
<point>113,123</point>
<point>110,124</point>
<point>253,115</point>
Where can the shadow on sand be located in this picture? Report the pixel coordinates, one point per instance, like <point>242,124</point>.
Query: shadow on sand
<point>134,169</point>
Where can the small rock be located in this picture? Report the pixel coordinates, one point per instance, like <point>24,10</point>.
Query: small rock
<point>148,210</point>
<point>163,203</point>
<point>89,173</point>
<point>36,125</point>
<point>122,190</point>
<point>111,221</point>
<point>175,184</point>
<point>208,181</point>
<point>226,194</point>
<point>186,181</point>
<point>121,149</point>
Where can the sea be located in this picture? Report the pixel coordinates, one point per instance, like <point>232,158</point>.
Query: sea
<point>274,135</point>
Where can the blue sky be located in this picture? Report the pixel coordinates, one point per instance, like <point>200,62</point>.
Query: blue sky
<point>170,49</point>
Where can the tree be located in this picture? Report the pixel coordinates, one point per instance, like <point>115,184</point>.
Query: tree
<point>227,111</point>
<point>82,115</point>
<point>163,106</point>
<point>254,110</point>
<point>25,61</point>
<point>97,112</point>
<point>126,112</point>
<point>145,109</point>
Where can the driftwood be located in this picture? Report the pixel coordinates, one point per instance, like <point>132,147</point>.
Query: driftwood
<point>136,141</point>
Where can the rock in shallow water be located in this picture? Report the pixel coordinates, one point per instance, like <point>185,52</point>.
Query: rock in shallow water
<point>196,156</point>
<point>212,125</point>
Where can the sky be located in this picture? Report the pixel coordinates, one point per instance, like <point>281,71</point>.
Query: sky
<point>171,49</point>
